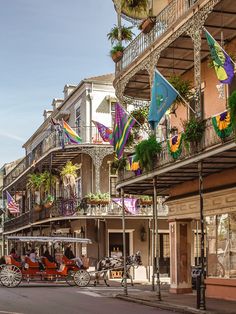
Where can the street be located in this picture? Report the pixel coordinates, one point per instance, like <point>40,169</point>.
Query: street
<point>49,299</point>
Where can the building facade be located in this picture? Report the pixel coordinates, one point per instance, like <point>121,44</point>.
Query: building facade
<point>202,179</point>
<point>73,213</point>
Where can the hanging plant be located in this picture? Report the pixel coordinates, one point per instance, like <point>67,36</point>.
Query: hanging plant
<point>140,114</point>
<point>135,5</point>
<point>146,152</point>
<point>126,34</point>
<point>222,124</point>
<point>117,52</point>
<point>232,108</point>
<point>184,87</point>
<point>174,146</point>
<point>193,131</point>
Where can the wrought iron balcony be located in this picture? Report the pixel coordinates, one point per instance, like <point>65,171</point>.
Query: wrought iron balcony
<point>164,21</point>
<point>70,208</point>
<point>52,139</point>
<point>210,142</point>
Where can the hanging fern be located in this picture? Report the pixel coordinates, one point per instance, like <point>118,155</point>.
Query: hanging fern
<point>146,151</point>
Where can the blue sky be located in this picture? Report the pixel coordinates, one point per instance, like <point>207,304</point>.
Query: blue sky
<point>46,44</point>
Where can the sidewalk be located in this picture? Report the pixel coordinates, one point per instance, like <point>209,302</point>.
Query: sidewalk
<point>182,303</point>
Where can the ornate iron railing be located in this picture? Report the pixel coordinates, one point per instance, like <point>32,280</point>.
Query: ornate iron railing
<point>209,141</point>
<point>53,139</point>
<point>167,17</point>
<point>72,208</point>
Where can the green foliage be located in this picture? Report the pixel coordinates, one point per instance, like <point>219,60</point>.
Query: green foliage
<point>43,180</point>
<point>146,151</point>
<point>126,34</point>
<point>116,48</point>
<point>135,5</point>
<point>193,130</point>
<point>140,114</point>
<point>35,181</point>
<point>118,164</point>
<point>70,169</point>
<point>98,196</point>
<point>232,108</point>
<point>184,87</point>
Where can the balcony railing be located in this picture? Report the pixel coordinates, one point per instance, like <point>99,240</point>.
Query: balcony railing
<point>167,17</point>
<point>70,208</point>
<point>53,139</point>
<point>210,140</point>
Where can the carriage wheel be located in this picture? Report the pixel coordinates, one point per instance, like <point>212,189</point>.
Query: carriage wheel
<point>70,278</point>
<point>82,278</point>
<point>10,276</point>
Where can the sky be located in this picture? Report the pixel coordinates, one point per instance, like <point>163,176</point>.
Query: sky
<point>46,44</point>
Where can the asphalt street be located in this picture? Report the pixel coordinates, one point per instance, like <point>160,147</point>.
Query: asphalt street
<point>50,299</point>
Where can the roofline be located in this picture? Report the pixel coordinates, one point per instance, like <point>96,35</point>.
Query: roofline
<point>54,113</point>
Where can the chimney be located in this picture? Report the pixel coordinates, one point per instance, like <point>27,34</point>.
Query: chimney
<point>47,114</point>
<point>56,102</point>
<point>68,89</point>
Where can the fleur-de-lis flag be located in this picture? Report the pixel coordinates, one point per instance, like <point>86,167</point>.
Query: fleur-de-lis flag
<point>163,95</point>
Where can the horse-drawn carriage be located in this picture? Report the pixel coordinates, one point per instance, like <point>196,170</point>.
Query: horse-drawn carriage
<point>14,271</point>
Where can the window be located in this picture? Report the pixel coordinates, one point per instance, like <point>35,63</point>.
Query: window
<point>78,187</point>
<point>221,236</point>
<point>78,120</point>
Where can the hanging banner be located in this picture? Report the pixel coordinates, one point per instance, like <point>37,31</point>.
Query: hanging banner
<point>174,145</point>
<point>222,124</point>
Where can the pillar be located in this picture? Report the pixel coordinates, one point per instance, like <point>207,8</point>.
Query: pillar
<point>180,256</point>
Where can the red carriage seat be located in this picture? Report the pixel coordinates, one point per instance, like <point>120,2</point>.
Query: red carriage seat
<point>30,263</point>
<point>49,265</point>
<point>10,260</point>
<point>67,261</point>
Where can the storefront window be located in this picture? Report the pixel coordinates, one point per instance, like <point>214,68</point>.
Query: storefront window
<point>221,240</point>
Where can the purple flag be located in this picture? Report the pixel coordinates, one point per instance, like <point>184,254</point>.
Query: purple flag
<point>122,127</point>
<point>130,204</point>
<point>105,133</point>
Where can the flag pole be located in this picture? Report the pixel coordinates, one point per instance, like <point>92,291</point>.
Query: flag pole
<point>219,44</point>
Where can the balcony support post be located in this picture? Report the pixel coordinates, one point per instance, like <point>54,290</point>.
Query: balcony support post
<point>124,242</point>
<point>195,34</point>
<point>156,252</point>
<point>202,278</point>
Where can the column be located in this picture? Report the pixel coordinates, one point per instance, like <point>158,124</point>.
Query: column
<point>180,256</point>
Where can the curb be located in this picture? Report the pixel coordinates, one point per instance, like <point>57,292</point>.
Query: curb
<point>163,305</point>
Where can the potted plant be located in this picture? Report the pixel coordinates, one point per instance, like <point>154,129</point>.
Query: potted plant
<point>147,25</point>
<point>140,115</point>
<point>183,87</point>
<point>193,132</point>
<point>135,5</point>
<point>146,152</point>
<point>117,52</point>
<point>232,108</point>
<point>126,34</point>
<point>145,200</point>
<point>49,180</point>
<point>35,184</point>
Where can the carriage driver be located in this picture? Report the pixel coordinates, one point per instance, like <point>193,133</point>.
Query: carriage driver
<point>70,255</point>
